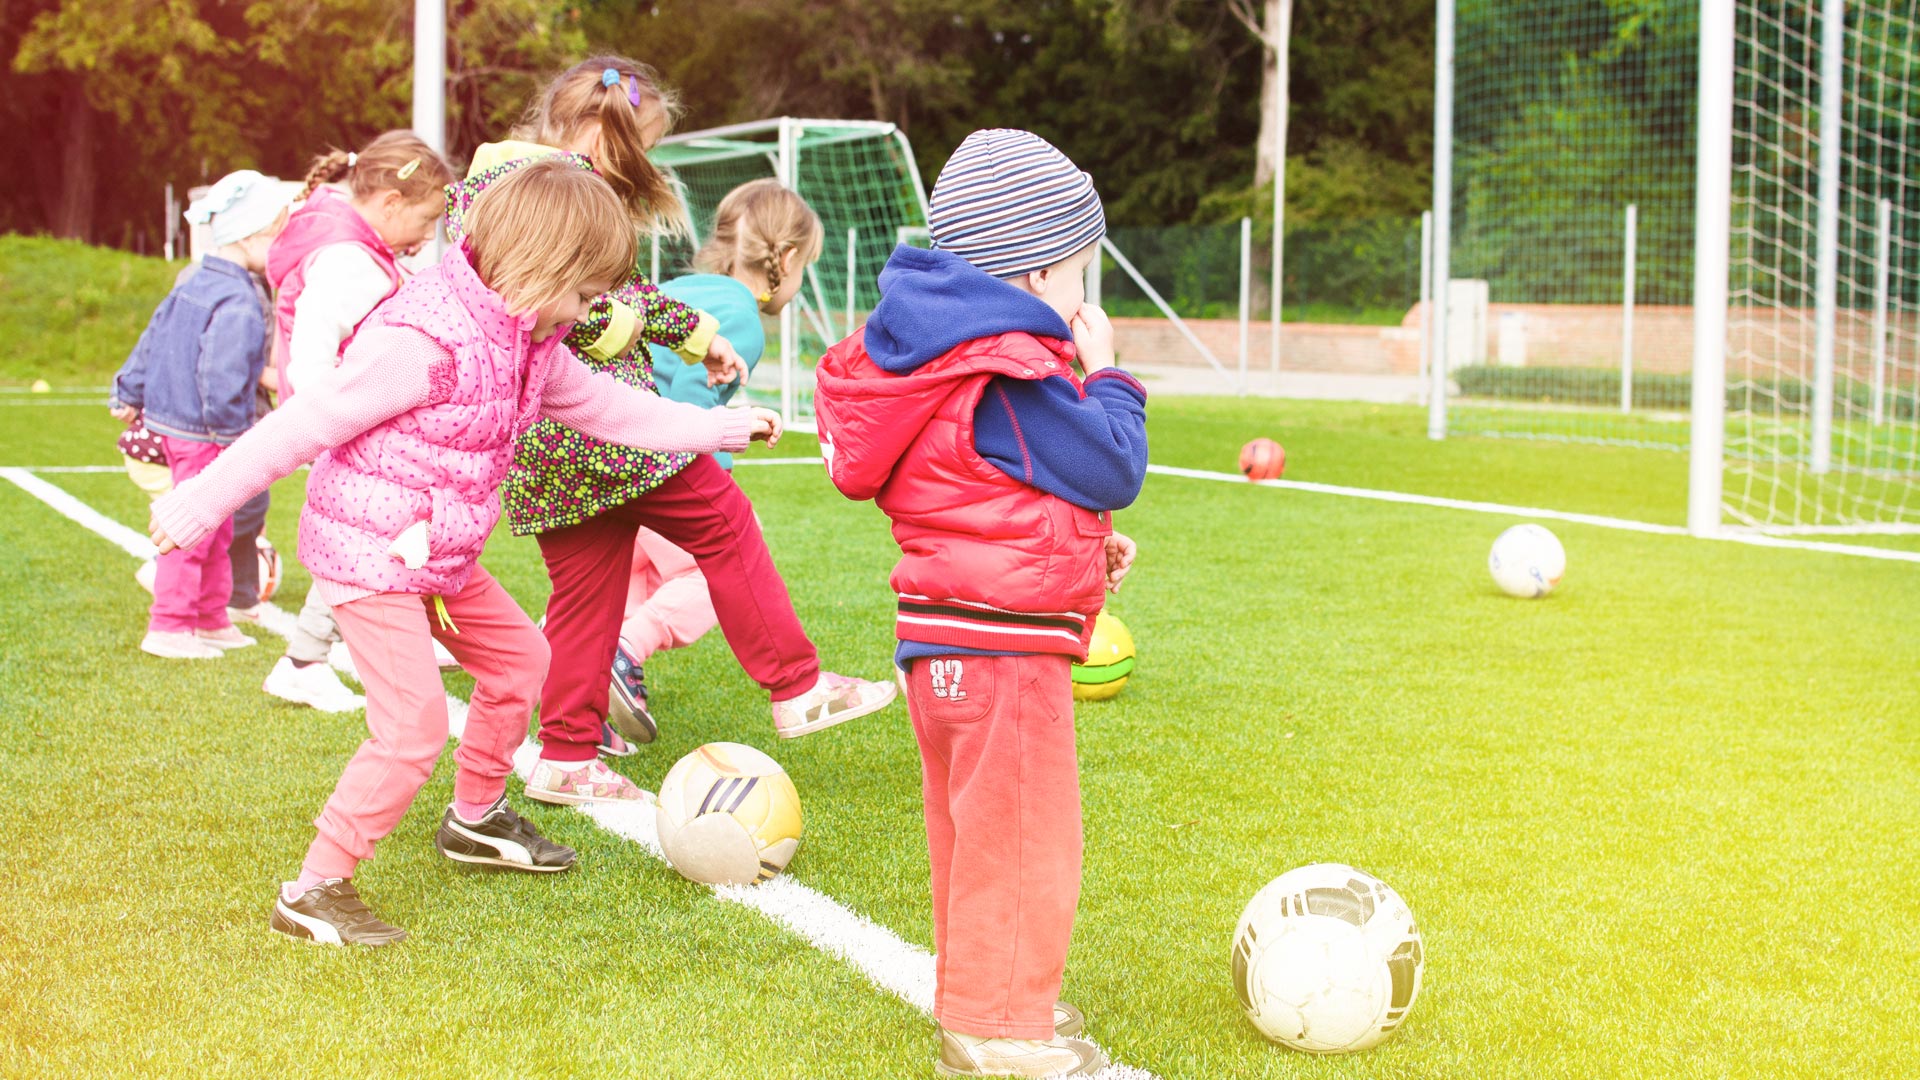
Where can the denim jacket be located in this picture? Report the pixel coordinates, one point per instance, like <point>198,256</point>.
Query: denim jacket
<point>198,363</point>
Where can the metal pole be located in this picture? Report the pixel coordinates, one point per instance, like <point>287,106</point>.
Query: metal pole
<point>430,73</point>
<point>853,238</point>
<point>170,230</point>
<point>1442,211</point>
<point>1626,310</point>
<point>788,169</point>
<point>1881,270</point>
<point>1712,222</point>
<point>1426,295</point>
<point>1833,45</point>
<point>1246,294</point>
<point>1093,276</point>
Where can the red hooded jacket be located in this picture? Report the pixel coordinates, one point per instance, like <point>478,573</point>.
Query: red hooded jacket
<point>986,562</point>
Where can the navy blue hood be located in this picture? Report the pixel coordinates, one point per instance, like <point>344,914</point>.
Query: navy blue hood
<point>931,302</point>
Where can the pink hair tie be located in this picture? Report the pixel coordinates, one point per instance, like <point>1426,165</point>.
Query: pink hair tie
<point>633,91</point>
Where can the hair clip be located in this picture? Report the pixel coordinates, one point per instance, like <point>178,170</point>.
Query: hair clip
<point>610,77</point>
<point>352,159</point>
<point>765,298</point>
<point>409,168</point>
<point>633,91</point>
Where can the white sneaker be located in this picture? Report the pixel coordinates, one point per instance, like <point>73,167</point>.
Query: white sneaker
<point>314,685</point>
<point>833,700</point>
<point>178,645</point>
<point>227,637</point>
<point>570,783</point>
<point>976,1055</point>
<point>246,614</point>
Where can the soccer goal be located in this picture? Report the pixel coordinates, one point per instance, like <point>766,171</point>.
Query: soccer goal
<point>859,176</point>
<point>1689,226</point>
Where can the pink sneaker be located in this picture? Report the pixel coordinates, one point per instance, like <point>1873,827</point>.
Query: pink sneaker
<point>570,783</point>
<point>833,700</point>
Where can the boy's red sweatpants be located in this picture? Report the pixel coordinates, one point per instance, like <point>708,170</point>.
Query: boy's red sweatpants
<point>704,513</point>
<point>1002,788</point>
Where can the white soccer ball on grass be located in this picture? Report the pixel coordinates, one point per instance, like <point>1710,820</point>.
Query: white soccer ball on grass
<point>1327,959</point>
<point>1527,561</point>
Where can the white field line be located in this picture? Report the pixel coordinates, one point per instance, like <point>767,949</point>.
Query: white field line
<point>1732,536</point>
<point>901,969</point>
<point>103,391</point>
<point>50,399</point>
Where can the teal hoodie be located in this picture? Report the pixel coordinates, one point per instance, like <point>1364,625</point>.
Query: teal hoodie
<point>733,304</point>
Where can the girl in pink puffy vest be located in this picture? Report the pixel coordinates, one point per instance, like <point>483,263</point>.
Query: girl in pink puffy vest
<point>410,446</point>
<point>337,259</point>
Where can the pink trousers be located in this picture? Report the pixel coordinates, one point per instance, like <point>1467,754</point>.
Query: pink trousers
<point>667,602</point>
<point>1002,789</point>
<point>191,585</point>
<point>391,638</point>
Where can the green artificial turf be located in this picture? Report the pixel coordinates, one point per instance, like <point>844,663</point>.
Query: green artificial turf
<point>1658,824</point>
<point>69,312</point>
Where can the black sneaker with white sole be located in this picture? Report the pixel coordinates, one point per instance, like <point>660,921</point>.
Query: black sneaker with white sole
<point>627,700</point>
<point>332,913</point>
<point>500,838</point>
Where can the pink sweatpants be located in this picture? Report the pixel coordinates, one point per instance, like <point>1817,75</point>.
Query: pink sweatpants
<point>1002,789</point>
<point>667,602</point>
<point>391,638</point>
<point>191,585</point>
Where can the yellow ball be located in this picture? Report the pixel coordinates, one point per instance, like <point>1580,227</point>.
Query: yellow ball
<point>1110,659</point>
<point>728,815</point>
<point>40,386</point>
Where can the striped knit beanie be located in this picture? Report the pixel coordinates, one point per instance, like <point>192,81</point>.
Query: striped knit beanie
<point>1010,203</point>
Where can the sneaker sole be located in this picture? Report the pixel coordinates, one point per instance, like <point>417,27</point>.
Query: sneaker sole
<point>226,646</point>
<point>837,719</point>
<point>170,654</point>
<point>560,798</point>
<point>324,705</point>
<point>1087,1068</point>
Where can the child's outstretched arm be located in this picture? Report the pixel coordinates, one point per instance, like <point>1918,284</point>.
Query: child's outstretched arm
<point>387,371</point>
<point>597,404</point>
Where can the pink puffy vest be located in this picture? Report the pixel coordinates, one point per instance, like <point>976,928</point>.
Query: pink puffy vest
<point>967,531</point>
<point>439,463</point>
<point>326,219</point>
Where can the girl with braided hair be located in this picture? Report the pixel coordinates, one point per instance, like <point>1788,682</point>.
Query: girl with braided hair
<point>584,499</point>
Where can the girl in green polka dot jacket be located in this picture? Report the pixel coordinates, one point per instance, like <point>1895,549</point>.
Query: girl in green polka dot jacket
<point>583,499</point>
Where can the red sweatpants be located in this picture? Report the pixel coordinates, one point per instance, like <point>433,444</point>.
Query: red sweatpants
<point>704,513</point>
<point>1002,789</point>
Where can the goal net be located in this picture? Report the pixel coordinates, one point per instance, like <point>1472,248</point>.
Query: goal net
<point>1572,220</point>
<point>1822,431</point>
<point>1570,302</point>
<point>859,176</point>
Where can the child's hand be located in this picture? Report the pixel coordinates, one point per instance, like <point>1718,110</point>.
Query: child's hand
<point>1093,336</point>
<point>161,541</point>
<point>1120,553</point>
<point>766,425</point>
<point>123,413</point>
<point>723,363</point>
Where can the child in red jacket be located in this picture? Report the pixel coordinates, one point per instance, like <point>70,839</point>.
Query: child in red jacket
<point>957,410</point>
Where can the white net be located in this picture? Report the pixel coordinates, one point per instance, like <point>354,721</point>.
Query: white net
<point>1801,459</point>
<point>858,176</point>
<point>1573,140</point>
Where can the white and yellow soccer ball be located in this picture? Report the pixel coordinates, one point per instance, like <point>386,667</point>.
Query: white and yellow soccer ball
<point>728,815</point>
<point>1527,561</point>
<point>1327,959</point>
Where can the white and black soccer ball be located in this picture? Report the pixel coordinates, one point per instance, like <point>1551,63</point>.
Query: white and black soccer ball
<point>1527,561</point>
<point>1327,959</point>
<point>728,815</point>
